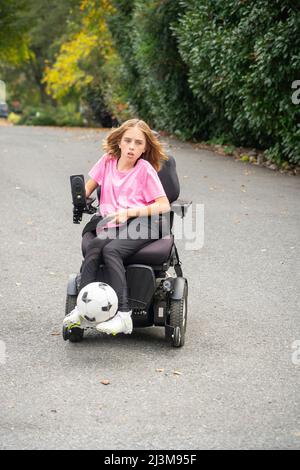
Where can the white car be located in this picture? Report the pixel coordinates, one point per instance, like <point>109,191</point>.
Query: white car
<point>3,110</point>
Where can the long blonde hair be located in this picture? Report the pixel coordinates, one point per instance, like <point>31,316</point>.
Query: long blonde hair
<point>154,152</point>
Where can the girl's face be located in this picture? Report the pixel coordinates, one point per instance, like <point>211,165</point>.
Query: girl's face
<point>132,145</point>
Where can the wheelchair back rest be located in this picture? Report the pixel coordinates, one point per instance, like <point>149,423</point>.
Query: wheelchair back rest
<point>168,177</point>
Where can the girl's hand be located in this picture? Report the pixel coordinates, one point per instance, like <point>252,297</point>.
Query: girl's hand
<point>120,217</point>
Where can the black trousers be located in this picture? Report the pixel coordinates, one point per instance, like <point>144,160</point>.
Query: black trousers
<point>110,248</point>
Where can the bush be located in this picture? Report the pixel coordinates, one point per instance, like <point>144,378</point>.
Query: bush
<point>242,59</point>
<point>205,70</point>
<point>14,118</point>
<point>68,116</point>
<point>97,110</point>
<point>153,71</point>
<point>51,116</point>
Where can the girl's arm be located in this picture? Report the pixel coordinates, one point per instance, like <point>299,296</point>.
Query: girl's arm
<point>90,187</point>
<point>160,206</point>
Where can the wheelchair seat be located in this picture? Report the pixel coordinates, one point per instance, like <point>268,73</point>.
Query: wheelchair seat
<point>154,254</point>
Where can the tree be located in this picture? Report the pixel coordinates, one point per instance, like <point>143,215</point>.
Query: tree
<point>30,36</point>
<point>13,38</point>
<point>87,63</point>
<point>82,54</point>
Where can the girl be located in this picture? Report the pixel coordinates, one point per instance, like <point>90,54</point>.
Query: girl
<point>130,190</point>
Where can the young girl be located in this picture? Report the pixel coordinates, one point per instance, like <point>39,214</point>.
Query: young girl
<point>130,190</point>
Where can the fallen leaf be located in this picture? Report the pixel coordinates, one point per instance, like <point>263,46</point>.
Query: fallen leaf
<point>105,382</point>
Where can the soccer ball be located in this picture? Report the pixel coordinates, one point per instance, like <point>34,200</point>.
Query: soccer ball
<point>97,302</point>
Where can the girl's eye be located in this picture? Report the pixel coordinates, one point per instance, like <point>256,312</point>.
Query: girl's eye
<point>137,142</point>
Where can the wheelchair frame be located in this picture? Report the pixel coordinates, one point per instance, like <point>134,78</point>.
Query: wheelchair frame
<point>155,296</point>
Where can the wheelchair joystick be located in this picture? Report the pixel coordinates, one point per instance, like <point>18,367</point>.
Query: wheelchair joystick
<point>80,202</point>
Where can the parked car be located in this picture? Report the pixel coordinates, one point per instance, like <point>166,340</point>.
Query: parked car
<point>3,110</point>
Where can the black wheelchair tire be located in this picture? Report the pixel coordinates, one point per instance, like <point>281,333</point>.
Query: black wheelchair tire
<point>178,319</point>
<point>65,333</point>
<point>70,303</point>
<point>75,335</point>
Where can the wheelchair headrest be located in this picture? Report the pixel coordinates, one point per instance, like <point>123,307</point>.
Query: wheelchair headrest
<point>169,179</point>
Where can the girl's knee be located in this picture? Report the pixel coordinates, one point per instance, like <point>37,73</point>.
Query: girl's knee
<point>110,250</point>
<point>96,242</point>
<point>94,246</point>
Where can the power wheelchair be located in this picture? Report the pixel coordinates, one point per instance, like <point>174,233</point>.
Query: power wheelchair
<point>155,296</point>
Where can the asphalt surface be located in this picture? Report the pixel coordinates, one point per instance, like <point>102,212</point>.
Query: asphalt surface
<point>238,386</point>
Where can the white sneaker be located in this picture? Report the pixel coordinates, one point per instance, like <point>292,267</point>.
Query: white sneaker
<point>120,323</point>
<point>72,319</point>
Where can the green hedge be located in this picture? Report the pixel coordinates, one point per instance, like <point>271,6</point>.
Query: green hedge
<point>214,70</point>
<point>242,59</point>
<point>153,72</point>
<point>51,116</point>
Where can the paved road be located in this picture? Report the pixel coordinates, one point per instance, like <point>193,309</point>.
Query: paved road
<point>239,382</point>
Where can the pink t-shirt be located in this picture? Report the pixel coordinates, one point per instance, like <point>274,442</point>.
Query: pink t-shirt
<point>139,186</point>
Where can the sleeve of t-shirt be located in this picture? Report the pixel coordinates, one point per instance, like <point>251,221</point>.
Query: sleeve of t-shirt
<point>152,186</point>
<point>98,170</point>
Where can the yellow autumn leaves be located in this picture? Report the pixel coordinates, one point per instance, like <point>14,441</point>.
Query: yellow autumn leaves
<point>75,62</point>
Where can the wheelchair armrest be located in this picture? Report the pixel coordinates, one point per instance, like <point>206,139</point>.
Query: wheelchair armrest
<point>180,207</point>
<point>89,208</point>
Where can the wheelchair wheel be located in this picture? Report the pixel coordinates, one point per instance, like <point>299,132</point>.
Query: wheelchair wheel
<point>178,319</point>
<point>70,303</point>
<point>75,335</point>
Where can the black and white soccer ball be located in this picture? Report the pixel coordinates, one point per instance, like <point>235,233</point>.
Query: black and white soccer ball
<point>97,302</point>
